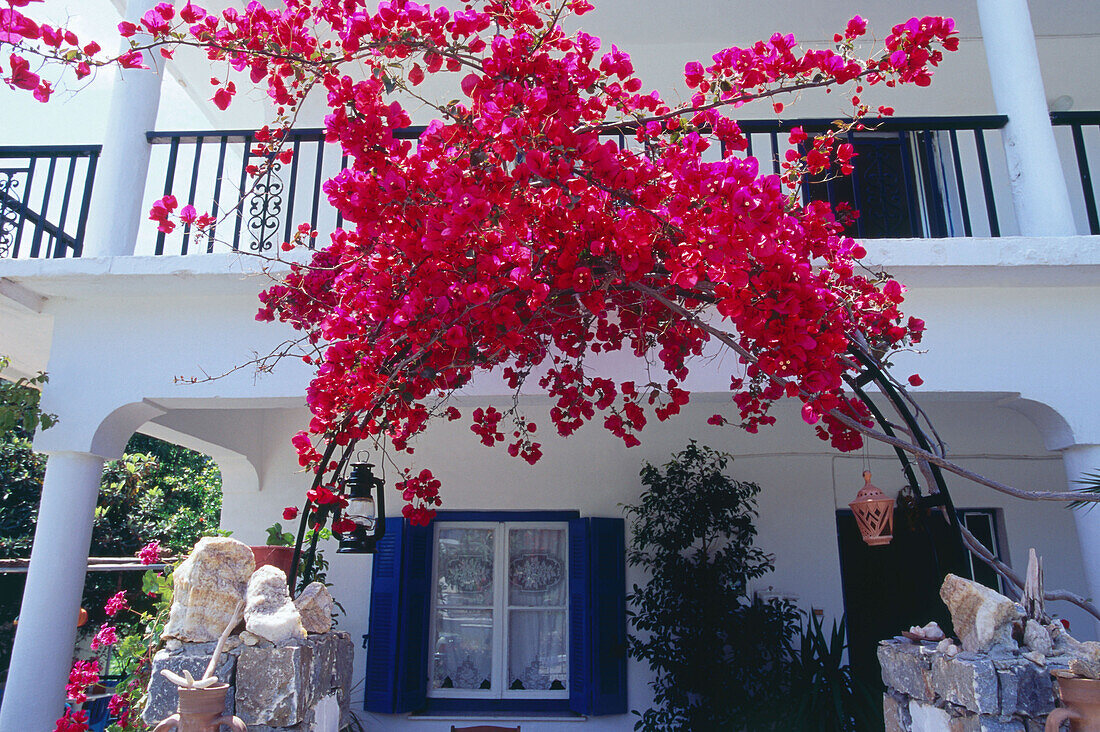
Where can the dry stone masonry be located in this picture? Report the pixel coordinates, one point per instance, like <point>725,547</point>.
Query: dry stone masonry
<point>287,669</point>
<point>1000,681</point>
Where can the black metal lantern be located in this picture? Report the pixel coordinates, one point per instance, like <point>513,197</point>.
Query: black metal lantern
<point>364,510</point>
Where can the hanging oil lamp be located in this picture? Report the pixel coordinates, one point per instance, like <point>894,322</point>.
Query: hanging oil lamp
<point>368,515</point>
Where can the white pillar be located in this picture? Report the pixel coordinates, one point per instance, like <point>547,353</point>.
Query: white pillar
<point>34,696</point>
<point>118,197</point>
<point>1079,460</point>
<point>1039,192</point>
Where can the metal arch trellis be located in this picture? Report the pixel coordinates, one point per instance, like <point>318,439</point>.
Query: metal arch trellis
<point>873,373</point>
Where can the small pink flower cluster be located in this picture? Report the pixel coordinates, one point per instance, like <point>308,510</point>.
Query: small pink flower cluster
<point>150,553</point>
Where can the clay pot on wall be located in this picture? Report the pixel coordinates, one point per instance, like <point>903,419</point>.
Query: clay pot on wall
<point>202,710</point>
<point>277,556</point>
<point>1081,700</point>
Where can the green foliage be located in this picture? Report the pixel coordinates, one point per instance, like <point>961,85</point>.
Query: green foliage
<point>720,660</point>
<point>1090,483</point>
<point>825,696</point>
<point>132,656</point>
<point>19,412</point>
<point>277,537</point>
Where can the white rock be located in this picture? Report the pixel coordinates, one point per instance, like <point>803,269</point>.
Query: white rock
<point>206,588</point>
<point>269,611</point>
<point>249,639</point>
<point>932,631</point>
<point>315,606</point>
<point>982,617</point>
<point>1037,638</point>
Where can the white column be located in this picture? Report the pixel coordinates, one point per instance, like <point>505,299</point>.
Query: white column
<point>1039,192</point>
<point>34,696</point>
<point>1079,460</point>
<point>118,198</point>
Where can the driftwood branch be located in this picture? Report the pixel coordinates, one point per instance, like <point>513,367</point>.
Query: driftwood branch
<point>1010,576</point>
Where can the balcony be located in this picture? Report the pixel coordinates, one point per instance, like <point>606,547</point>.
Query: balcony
<point>916,177</point>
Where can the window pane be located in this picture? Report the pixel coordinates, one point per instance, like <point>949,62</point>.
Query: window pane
<point>537,654</point>
<point>463,649</point>
<point>465,574</point>
<point>536,567</point>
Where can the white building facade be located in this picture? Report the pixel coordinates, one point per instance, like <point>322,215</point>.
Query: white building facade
<point>998,246</point>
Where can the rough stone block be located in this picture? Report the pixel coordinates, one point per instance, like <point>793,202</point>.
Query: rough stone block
<point>968,683</point>
<point>163,699</point>
<point>895,713</point>
<point>927,718</point>
<point>274,684</point>
<point>907,670</point>
<point>1034,692</point>
<point>344,656</point>
<point>324,659</point>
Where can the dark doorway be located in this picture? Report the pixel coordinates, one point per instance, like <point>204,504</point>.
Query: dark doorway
<point>893,186</point>
<point>889,588</point>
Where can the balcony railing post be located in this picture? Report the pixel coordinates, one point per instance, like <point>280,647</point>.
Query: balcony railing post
<point>118,199</point>
<point>1039,192</point>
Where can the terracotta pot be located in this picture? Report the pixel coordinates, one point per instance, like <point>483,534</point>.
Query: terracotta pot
<point>277,556</point>
<point>1081,705</point>
<point>202,710</point>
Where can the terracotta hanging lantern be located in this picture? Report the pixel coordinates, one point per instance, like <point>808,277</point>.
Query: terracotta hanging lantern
<point>874,512</point>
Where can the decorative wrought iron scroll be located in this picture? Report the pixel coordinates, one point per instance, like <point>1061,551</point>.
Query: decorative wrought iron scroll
<point>9,213</point>
<point>265,208</point>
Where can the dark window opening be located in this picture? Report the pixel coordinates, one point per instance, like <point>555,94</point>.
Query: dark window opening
<point>895,186</point>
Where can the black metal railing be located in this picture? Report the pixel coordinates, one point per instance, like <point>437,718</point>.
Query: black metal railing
<point>1082,126</point>
<point>45,193</point>
<point>215,179</point>
<point>912,177</point>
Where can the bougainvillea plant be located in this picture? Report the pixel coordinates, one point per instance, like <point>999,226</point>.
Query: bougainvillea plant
<point>515,236</point>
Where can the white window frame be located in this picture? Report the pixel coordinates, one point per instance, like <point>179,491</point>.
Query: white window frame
<point>501,611</point>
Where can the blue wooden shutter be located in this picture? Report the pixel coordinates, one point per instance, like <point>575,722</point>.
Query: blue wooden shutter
<point>397,645</point>
<point>597,616</point>
<point>412,657</point>
<point>385,614</point>
<point>580,629</point>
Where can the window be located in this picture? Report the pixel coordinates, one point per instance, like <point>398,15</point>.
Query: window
<point>499,611</point>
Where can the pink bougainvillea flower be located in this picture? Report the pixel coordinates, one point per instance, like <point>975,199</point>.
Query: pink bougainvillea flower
<point>132,60</point>
<point>343,526</point>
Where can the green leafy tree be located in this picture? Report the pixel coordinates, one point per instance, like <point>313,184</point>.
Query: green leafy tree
<point>721,660</point>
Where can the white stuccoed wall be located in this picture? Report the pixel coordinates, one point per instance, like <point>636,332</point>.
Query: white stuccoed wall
<point>803,484</point>
<point>1005,324</point>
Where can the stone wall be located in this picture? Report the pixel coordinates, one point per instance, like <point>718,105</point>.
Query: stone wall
<point>291,686</point>
<point>928,691</point>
